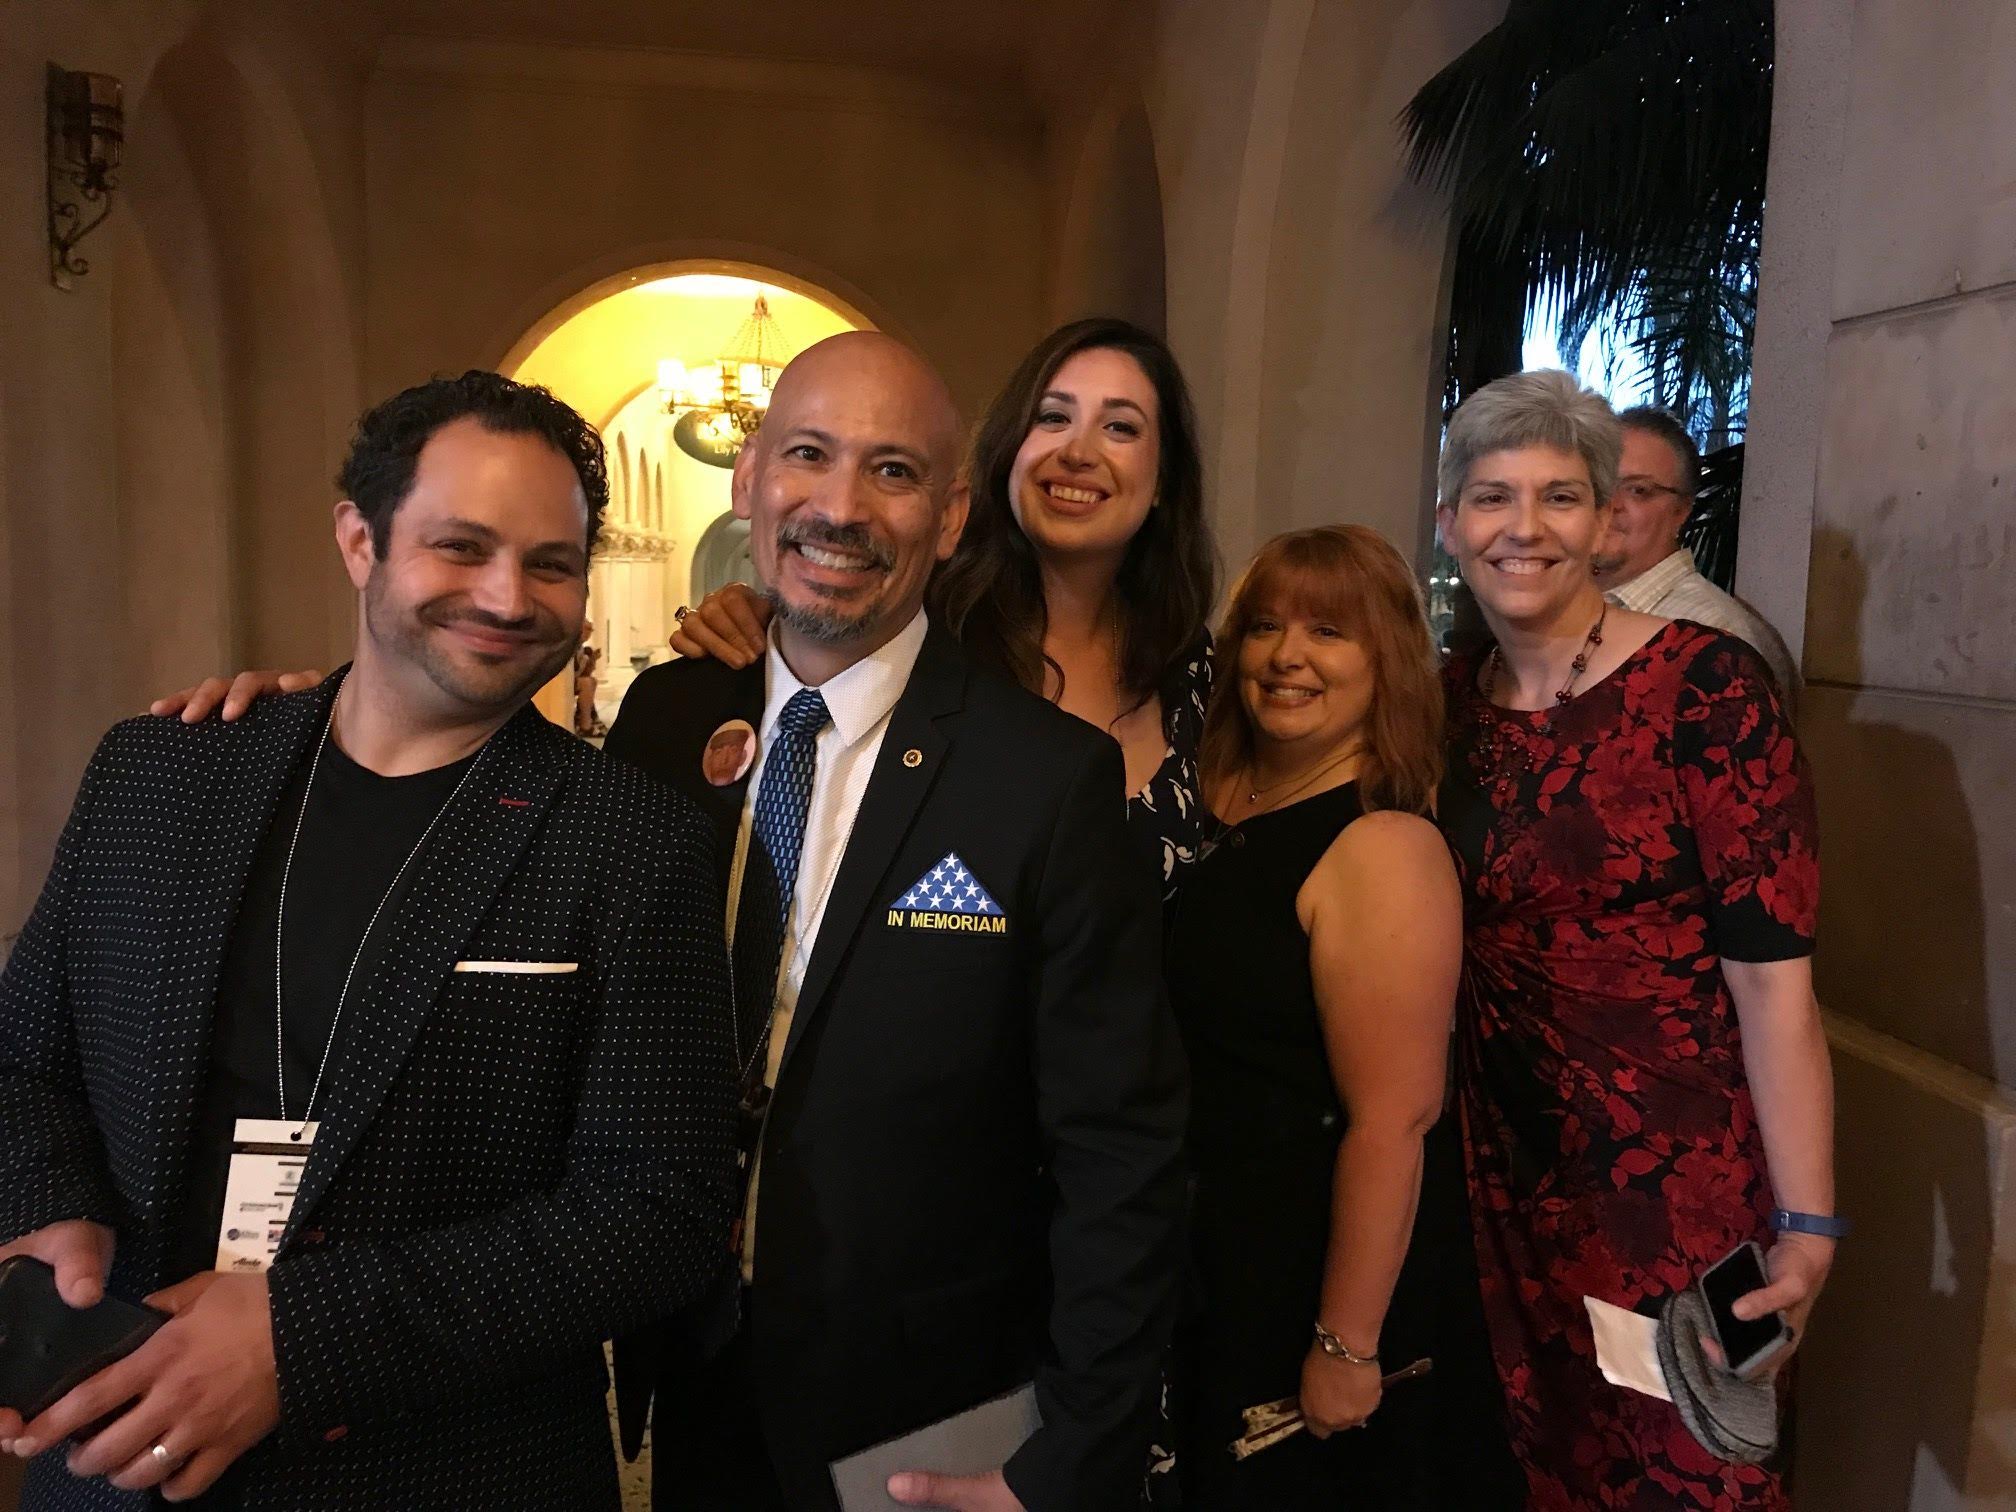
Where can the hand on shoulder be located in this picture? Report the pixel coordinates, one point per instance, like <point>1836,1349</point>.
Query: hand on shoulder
<point>730,625</point>
<point>230,695</point>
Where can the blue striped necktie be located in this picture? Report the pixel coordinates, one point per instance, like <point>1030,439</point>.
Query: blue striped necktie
<point>770,868</point>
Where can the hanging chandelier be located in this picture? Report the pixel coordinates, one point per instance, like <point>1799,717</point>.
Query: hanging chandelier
<point>728,396</point>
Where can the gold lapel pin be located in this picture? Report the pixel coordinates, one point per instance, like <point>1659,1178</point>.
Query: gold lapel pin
<point>913,757</point>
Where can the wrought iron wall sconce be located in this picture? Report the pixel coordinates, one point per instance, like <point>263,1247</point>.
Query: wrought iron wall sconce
<point>87,125</point>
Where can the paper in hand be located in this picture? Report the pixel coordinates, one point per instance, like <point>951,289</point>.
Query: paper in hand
<point>969,1443</point>
<point>1627,1348</point>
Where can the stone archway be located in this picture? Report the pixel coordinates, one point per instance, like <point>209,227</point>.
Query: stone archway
<point>668,536</point>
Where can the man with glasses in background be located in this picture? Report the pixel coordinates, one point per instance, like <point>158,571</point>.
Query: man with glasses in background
<point>1641,565</point>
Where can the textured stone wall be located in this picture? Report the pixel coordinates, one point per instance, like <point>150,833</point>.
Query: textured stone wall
<point>1882,501</point>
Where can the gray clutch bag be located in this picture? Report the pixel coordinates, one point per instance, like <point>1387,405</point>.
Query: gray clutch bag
<point>1733,1419</point>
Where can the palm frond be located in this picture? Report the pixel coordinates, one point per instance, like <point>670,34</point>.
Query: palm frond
<point>1710,531</point>
<point>1695,323</point>
<point>1609,159</point>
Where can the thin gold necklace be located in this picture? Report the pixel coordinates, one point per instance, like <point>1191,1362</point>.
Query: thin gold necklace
<point>1253,793</point>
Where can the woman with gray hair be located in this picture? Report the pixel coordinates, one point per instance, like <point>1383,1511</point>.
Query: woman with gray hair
<point>1643,1076</point>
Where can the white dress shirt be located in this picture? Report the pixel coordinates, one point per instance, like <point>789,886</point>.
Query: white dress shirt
<point>1673,588</point>
<point>859,701</point>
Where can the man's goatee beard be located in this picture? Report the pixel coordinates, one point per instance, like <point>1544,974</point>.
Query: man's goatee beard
<point>827,627</point>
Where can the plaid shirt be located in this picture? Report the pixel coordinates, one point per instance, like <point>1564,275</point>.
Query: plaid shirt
<point>1675,589</point>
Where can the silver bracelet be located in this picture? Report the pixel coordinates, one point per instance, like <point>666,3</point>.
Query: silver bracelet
<point>1337,1349</point>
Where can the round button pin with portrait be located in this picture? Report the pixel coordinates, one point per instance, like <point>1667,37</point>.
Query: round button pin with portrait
<point>729,752</point>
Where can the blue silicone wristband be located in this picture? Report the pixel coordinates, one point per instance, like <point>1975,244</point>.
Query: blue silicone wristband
<point>1785,1221</point>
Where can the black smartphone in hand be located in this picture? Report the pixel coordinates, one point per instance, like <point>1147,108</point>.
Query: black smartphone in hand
<point>47,1346</point>
<point>1747,1344</point>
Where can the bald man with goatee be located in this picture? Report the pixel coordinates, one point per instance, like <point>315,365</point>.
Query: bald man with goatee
<point>962,1097</point>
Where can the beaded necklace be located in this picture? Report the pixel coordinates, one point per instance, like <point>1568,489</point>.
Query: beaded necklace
<point>1502,777</point>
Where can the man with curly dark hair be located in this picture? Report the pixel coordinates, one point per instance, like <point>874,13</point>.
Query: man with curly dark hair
<point>381,1037</point>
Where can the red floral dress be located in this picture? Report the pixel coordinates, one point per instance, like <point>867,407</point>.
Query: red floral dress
<point>1614,851</point>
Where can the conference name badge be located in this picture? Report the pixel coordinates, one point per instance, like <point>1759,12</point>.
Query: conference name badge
<point>267,1158</point>
<point>948,899</point>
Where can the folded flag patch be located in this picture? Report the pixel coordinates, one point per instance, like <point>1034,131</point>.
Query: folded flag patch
<point>948,897</point>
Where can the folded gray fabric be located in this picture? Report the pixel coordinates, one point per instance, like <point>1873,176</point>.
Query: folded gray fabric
<point>1733,1419</point>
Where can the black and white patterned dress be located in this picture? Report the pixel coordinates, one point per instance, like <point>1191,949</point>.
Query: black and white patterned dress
<point>1167,815</point>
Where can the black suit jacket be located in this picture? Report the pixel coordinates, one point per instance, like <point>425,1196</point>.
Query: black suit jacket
<point>970,1171</point>
<point>510,1167</point>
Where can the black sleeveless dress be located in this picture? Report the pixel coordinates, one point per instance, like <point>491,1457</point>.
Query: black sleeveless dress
<point>1264,1129</point>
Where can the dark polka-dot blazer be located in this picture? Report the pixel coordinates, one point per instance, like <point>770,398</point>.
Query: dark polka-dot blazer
<point>510,1167</point>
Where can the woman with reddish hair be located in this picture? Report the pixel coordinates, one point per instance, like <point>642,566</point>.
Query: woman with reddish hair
<point>1312,958</point>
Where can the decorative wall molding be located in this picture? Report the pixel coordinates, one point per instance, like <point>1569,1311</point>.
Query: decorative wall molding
<point>620,543</point>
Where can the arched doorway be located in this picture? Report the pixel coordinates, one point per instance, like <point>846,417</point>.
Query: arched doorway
<point>669,535</point>
<point>722,557</point>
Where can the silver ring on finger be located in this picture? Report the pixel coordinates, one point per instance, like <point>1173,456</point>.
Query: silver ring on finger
<point>163,1456</point>
<point>679,614</point>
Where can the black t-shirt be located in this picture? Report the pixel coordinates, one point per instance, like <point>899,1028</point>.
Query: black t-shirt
<point>358,830</point>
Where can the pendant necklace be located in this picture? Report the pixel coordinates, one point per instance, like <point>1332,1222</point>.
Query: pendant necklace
<point>1253,794</point>
<point>1224,828</point>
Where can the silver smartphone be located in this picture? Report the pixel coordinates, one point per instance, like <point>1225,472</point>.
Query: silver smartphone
<point>1748,1345</point>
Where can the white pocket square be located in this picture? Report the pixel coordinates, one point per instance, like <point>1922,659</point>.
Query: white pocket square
<point>521,968</point>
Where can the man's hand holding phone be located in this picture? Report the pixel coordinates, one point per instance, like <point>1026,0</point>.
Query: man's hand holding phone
<point>203,1389</point>
<point>80,1253</point>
